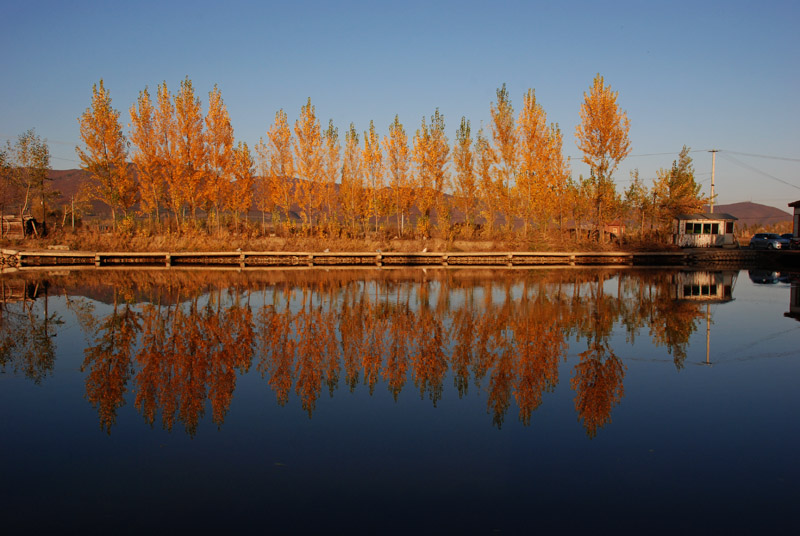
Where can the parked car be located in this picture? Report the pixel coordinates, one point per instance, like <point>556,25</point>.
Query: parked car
<point>763,277</point>
<point>767,241</point>
<point>792,242</point>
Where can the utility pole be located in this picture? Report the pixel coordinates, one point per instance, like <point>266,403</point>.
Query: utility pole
<point>713,163</point>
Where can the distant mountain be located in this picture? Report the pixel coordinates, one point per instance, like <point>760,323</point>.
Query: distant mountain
<point>68,181</point>
<point>754,213</point>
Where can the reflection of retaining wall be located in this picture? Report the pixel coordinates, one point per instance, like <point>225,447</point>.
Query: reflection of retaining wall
<point>243,259</point>
<point>743,258</point>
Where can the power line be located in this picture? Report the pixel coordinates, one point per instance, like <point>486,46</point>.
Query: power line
<point>765,156</point>
<point>653,154</point>
<point>47,140</point>
<point>756,170</point>
<point>671,153</point>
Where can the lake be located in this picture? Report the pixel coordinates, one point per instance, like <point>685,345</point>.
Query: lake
<point>399,401</point>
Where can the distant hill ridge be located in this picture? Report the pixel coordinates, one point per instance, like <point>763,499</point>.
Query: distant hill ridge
<point>68,181</point>
<point>750,213</point>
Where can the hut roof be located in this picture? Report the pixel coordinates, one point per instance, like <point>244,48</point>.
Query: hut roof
<point>715,216</point>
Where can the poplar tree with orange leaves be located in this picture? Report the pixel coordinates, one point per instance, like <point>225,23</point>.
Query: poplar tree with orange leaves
<point>219,154</point>
<point>144,136</point>
<point>308,155</point>
<point>279,163</point>
<point>602,136</point>
<point>262,187</point>
<point>397,161</point>
<point>190,145</point>
<point>487,188</point>
<point>466,185</point>
<point>430,154</point>
<point>105,154</point>
<point>535,185</point>
<point>169,161</point>
<point>352,189</point>
<point>373,169</point>
<point>439,157</point>
<point>505,149</point>
<point>542,171</point>
<point>330,171</point>
<point>557,170</point>
<point>425,195</point>
<point>242,166</point>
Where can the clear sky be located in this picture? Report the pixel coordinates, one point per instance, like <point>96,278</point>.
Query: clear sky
<point>721,75</point>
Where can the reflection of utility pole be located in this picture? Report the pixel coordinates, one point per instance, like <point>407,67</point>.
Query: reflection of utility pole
<point>708,334</point>
<point>713,163</point>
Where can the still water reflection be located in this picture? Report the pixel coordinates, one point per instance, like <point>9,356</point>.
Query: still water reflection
<point>176,345</point>
<point>177,342</point>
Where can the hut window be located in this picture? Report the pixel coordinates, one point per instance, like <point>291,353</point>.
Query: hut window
<point>728,227</point>
<point>706,228</point>
<point>714,228</point>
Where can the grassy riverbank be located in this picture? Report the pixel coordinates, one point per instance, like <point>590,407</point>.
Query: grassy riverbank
<point>201,241</point>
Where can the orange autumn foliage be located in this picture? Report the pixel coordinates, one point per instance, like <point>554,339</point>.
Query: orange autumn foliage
<point>105,153</point>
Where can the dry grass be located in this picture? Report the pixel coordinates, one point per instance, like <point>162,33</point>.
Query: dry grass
<point>143,240</point>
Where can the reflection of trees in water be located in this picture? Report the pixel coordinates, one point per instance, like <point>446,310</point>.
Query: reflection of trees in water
<point>671,324</point>
<point>540,347</point>
<point>108,360</point>
<point>401,324</point>
<point>183,345</point>
<point>276,347</point>
<point>598,385</point>
<point>597,378</point>
<point>27,331</point>
<point>191,354</point>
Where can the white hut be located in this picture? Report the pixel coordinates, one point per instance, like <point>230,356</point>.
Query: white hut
<point>703,230</point>
<point>796,219</point>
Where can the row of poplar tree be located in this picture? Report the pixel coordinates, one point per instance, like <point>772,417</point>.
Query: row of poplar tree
<point>183,166</point>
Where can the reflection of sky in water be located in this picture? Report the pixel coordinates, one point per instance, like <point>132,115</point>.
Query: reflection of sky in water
<point>708,446</point>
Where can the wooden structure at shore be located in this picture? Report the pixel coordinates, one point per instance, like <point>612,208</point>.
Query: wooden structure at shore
<point>262,259</point>
<point>258,259</point>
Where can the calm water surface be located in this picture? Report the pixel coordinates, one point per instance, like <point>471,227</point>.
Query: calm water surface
<point>438,401</point>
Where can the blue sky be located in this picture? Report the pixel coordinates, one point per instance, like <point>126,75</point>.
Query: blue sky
<point>708,75</point>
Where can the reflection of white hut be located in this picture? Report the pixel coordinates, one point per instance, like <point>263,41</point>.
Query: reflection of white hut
<point>705,287</point>
<point>703,230</point>
<point>794,299</point>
